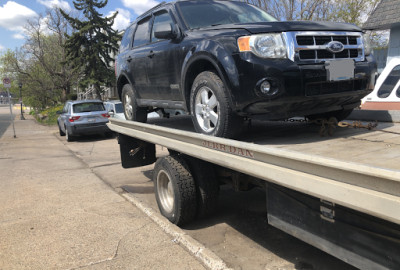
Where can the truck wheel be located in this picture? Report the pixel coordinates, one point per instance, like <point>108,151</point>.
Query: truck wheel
<point>339,115</point>
<point>207,187</point>
<point>211,113</point>
<point>131,110</point>
<point>175,190</point>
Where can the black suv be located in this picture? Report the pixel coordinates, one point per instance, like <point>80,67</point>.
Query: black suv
<point>226,61</point>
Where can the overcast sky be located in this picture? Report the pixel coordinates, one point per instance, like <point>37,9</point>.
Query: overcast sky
<point>14,14</point>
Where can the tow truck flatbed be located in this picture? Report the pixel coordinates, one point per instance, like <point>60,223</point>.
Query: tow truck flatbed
<point>355,169</point>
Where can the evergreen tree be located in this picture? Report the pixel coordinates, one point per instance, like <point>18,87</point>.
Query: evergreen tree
<point>93,43</point>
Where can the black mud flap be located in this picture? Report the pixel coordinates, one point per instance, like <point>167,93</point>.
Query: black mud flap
<point>135,152</point>
<point>361,240</point>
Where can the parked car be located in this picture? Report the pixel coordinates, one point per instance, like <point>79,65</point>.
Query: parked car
<point>115,109</point>
<point>83,117</point>
<point>227,61</point>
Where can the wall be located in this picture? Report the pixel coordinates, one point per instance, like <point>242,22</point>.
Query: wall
<point>394,43</point>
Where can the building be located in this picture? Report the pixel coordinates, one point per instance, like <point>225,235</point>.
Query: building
<point>386,17</point>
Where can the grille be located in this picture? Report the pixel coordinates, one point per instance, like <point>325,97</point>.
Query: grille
<point>309,47</point>
<point>322,40</point>
<point>325,88</point>
<point>324,54</point>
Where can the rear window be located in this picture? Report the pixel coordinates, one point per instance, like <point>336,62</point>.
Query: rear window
<point>142,34</point>
<point>88,107</point>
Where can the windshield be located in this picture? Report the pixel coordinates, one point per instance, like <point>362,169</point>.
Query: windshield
<point>119,108</point>
<point>198,14</point>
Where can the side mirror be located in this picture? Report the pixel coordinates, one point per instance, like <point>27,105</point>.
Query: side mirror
<point>111,113</point>
<point>59,112</point>
<point>165,31</point>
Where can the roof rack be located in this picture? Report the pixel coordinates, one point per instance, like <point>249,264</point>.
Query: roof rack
<point>153,8</point>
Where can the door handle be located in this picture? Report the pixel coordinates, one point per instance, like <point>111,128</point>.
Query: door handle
<point>151,54</point>
<point>129,59</point>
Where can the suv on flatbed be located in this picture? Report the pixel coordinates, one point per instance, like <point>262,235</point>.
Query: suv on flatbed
<point>226,61</point>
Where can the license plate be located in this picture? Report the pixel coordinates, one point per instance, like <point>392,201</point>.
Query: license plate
<point>338,70</point>
<point>92,120</point>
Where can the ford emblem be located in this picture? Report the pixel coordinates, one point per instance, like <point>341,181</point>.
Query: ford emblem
<point>335,46</point>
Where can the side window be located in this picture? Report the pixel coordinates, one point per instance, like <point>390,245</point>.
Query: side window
<point>126,39</point>
<point>142,34</point>
<point>390,82</point>
<point>163,18</point>
<point>65,109</point>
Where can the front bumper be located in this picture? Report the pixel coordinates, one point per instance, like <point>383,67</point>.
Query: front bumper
<point>302,89</point>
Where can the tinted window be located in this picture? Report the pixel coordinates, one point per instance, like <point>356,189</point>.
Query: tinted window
<point>160,19</point>
<point>390,82</point>
<point>119,108</point>
<point>199,14</point>
<point>126,39</point>
<point>142,34</point>
<point>88,107</point>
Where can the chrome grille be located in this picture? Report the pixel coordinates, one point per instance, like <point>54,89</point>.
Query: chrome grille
<point>311,47</point>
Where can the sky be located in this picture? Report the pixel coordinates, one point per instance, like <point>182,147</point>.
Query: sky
<point>14,15</point>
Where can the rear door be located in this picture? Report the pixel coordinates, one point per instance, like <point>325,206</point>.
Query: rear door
<point>138,58</point>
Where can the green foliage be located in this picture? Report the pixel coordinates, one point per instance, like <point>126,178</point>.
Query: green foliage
<point>91,46</point>
<point>48,116</point>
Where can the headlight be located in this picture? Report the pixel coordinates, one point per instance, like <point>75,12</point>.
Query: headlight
<point>367,45</point>
<point>265,45</point>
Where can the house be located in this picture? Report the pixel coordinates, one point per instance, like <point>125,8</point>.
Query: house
<point>386,95</point>
<point>386,17</point>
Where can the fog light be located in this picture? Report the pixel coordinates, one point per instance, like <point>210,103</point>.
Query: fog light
<point>265,87</point>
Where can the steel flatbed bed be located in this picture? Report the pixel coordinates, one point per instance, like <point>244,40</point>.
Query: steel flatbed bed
<point>355,169</point>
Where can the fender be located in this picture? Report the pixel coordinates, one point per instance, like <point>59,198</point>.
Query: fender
<point>222,61</point>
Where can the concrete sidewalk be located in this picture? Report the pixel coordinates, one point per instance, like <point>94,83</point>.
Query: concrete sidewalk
<point>55,213</point>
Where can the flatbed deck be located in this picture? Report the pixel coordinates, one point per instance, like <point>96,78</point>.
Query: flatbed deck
<point>356,168</point>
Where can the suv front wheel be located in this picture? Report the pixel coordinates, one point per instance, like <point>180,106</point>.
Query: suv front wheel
<point>210,110</point>
<point>131,110</point>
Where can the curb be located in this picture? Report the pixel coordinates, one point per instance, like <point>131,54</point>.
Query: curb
<point>372,115</point>
<point>203,254</point>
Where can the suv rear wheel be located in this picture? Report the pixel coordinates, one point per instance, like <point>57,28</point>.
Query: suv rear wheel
<point>131,110</point>
<point>211,113</point>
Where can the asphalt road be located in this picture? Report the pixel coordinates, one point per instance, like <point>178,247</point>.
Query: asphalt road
<point>5,120</point>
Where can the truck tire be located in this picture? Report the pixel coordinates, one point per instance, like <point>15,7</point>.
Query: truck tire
<point>175,190</point>
<point>339,115</point>
<point>210,110</point>
<point>132,111</point>
<point>207,187</point>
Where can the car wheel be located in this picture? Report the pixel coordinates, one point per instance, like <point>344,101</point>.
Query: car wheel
<point>339,115</point>
<point>175,190</point>
<point>62,133</point>
<point>211,113</point>
<point>131,110</point>
<point>68,136</point>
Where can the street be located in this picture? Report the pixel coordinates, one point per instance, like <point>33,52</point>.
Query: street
<point>90,167</point>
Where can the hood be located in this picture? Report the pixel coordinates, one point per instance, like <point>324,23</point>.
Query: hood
<point>263,27</point>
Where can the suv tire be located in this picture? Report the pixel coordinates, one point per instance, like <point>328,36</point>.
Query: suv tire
<point>210,110</point>
<point>132,111</point>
